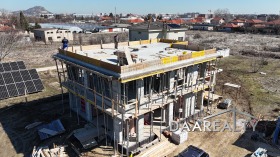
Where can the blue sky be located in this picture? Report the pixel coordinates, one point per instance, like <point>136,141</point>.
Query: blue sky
<point>145,6</point>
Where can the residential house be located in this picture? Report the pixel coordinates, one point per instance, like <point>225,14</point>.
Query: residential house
<point>52,34</point>
<point>145,31</point>
<point>253,22</point>
<point>238,22</point>
<point>130,99</point>
<point>230,27</point>
<point>205,27</point>
<point>217,21</point>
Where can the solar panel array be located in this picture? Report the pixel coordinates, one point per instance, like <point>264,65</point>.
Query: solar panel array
<point>16,80</point>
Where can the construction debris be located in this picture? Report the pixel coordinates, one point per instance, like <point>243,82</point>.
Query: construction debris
<point>46,152</point>
<point>32,125</point>
<point>51,129</point>
<point>179,136</point>
<point>260,152</point>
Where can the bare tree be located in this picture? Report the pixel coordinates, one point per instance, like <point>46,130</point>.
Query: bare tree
<point>4,13</point>
<point>223,13</point>
<point>8,42</point>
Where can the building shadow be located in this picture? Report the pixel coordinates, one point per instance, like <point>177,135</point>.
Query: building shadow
<point>260,138</point>
<point>15,118</point>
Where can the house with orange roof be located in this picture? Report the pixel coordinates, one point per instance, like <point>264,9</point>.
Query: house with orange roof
<point>253,22</point>
<point>238,22</point>
<point>217,21</point>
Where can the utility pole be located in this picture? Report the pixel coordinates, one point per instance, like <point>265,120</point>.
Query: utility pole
<point>115,14</point>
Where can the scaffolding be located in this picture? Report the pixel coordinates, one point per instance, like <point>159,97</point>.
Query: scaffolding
<point>127,93</point>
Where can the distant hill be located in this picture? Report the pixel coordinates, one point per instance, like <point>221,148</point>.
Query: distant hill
<point>34,11</point>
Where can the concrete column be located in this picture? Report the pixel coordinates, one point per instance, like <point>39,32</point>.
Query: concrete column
<point>140,90</point>
<point>140,128</point>
<point>163,114</point>
<point>202,69</point>
<point>88,105</point>
<point>200,100</point>
<point>116,95</point>
<point>171,79</point>
<point>118,129</point>
<point>193,102</point>
<point>186,105</point>
<point>195,74</point>
<point>189,105</point>
<point>169,114</point>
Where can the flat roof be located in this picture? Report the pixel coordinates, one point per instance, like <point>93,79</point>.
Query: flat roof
<point>154,56</point>
<point>145,52</point>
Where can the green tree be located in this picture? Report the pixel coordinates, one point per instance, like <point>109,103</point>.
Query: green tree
<point>23,22</point>
<point>37,25</point>
<point>111,15</point>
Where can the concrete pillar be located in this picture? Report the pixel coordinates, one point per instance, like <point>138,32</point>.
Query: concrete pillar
<point>140,128</point>
<point>193,103</point>
<point>169,113</point>
<point>140,90</point>
<point>202,69</point>
<point>195,74</point>
<point>88,105</point>
<point>171,79</point>
<point>116,94</point>
<point>186,105</point>
<point>118,129</point>
<point>189,104</point>
<point>163,114</point>
<point>200,100</point>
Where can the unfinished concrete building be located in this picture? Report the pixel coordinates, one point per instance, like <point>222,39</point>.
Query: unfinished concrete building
<point>128,92</point>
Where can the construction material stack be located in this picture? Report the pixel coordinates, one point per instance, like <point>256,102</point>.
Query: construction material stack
<point>179,136</point>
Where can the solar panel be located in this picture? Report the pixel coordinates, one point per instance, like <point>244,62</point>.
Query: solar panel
<point>38,84</point>
<point>30,86</point>
<point>6,66</point>
<point>21,88</point>
<point>1,80</point>
<point>16,80</point>
<point>7,77</point>
<point>14,66</point>
<point>3,93</point>
<point>25,75</point>
<point>17,77</point>
<point>12,90</point>
<point>1,68</point>
<point>33,73</point>
<point>21,65</point>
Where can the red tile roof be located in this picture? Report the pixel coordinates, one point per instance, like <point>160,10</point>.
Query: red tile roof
<point>254,21</point>
<point>275,22</point>
<point>230,25</point>
<point>217,19</point>
<point>135,21</point>
<point>259,26</point>
<point>237,21</point>
<point>174,21</point>
<point>196,20</point>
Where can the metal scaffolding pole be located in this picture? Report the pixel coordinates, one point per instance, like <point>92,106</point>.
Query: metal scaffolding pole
<point>127,136</point>
<point>61,88</point>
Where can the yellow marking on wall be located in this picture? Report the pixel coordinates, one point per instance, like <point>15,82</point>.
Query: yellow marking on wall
<point>145,41</point>
<point>167,60</point>
<point>154,40</point>
<point>198,54</point>
<point>134,43</point>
